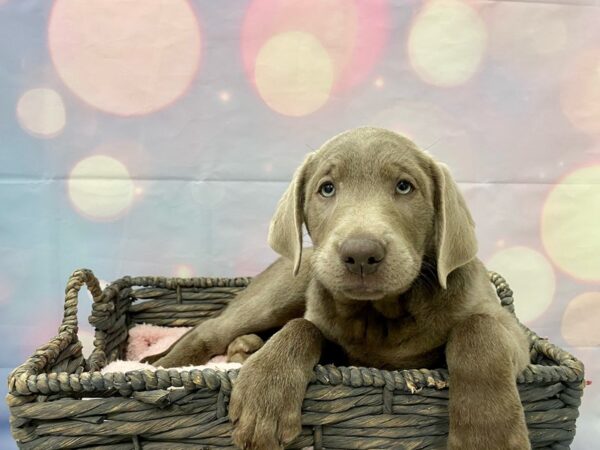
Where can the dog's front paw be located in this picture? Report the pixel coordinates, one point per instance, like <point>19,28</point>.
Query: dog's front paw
<point>265,407</point>
<point>501,435</point>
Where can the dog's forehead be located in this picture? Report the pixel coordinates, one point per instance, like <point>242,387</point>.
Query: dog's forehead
<point>367,148</point>
<point>367,137</point>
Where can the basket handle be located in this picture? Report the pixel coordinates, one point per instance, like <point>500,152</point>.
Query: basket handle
<point>46,355</point>
<point>503,291</point>
<point>76,281</point>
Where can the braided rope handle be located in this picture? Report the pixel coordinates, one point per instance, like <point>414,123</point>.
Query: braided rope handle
<point>46,355</point>
<point>505,294</point>
<point>76,281</point>
<point>503,291</point>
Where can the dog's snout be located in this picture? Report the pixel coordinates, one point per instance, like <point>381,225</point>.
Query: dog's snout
<point>362,255</point>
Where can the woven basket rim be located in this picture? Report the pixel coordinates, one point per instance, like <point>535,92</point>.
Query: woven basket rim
<point>30,378</point>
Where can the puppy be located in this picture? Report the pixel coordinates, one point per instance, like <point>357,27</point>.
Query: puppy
<point>392,282</point>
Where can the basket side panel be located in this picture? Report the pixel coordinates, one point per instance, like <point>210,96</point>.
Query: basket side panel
<point>158,301</point>
<point>179,306</point>
<point>333,417</point>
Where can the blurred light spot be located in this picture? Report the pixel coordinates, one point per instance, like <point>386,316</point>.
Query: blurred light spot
<point>129,57</point>
<point>268,167</point>
<point>531,277</point>
<point>294,73</point>
<point>100,187</point>
<point>41,112</point>
<point>378,83</point>
<point>500,243</point>
<point>224,96</point>
<point>353,33</point>
<point>580,320</point>
<point>580,96</point>
<point>570,224</point>
<point>184,271</point>
<point>447,42</point>
<point>139,191</point>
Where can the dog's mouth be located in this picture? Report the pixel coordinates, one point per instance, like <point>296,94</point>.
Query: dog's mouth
<point>364,294</point>
<point>372,287</point>
<point>363,290</point>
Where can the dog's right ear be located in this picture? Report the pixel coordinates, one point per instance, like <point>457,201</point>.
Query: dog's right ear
<point>455,229</point>
<point>285,231</point>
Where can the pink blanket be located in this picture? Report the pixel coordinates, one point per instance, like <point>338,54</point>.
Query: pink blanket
<point>145,340</point>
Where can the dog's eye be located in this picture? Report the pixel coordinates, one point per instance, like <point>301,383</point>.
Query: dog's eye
<point>327,189</point>
<point>404,187</point>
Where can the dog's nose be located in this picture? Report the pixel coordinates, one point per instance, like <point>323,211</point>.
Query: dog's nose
<point>362,255</point>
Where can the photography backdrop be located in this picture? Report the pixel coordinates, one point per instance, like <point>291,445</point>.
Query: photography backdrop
<point>149,137</point>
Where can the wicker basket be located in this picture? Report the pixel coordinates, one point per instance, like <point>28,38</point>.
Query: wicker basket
<point>60,400</point>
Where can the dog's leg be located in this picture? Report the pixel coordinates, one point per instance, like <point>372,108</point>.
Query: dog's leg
<point>273,298</point>
<point>485,408</point>
<point>267,396</point>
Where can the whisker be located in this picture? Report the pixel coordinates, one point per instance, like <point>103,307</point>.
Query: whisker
<point>432,144</point>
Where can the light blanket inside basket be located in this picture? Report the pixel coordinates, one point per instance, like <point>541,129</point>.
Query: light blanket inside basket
<point>145,340</point>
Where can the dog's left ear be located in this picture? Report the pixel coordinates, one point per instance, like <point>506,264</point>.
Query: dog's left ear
<point>455,230</point>
<point>285,231</point>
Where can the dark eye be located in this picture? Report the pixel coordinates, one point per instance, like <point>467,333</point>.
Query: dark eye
<point>327,189</point>
<point>404,187</point>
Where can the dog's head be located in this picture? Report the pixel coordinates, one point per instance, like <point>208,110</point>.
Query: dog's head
<point>379,211</point>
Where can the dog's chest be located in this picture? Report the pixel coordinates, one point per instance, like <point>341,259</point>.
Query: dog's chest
<point>374,334</point>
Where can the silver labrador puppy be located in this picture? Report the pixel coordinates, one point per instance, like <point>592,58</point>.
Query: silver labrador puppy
<point>391,282</point>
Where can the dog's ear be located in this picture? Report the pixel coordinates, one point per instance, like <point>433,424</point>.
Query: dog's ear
<point>454,228</point>
<point>285,231</point>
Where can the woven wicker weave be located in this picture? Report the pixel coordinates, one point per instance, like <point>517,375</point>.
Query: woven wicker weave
<point>344,407</point>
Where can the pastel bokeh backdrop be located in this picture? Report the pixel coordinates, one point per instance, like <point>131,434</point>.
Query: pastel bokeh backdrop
<point>155,137</point>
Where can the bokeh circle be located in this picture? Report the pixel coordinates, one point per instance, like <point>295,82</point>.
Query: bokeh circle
<point>294,73</point>
<point>282,39</point>
<point>570,224</point>
<point>41,112</point>
<point>101,188</point>
<point>530,275</point>
<point>125,57</point>
<point>447,42</point>
<point>579,326</point>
